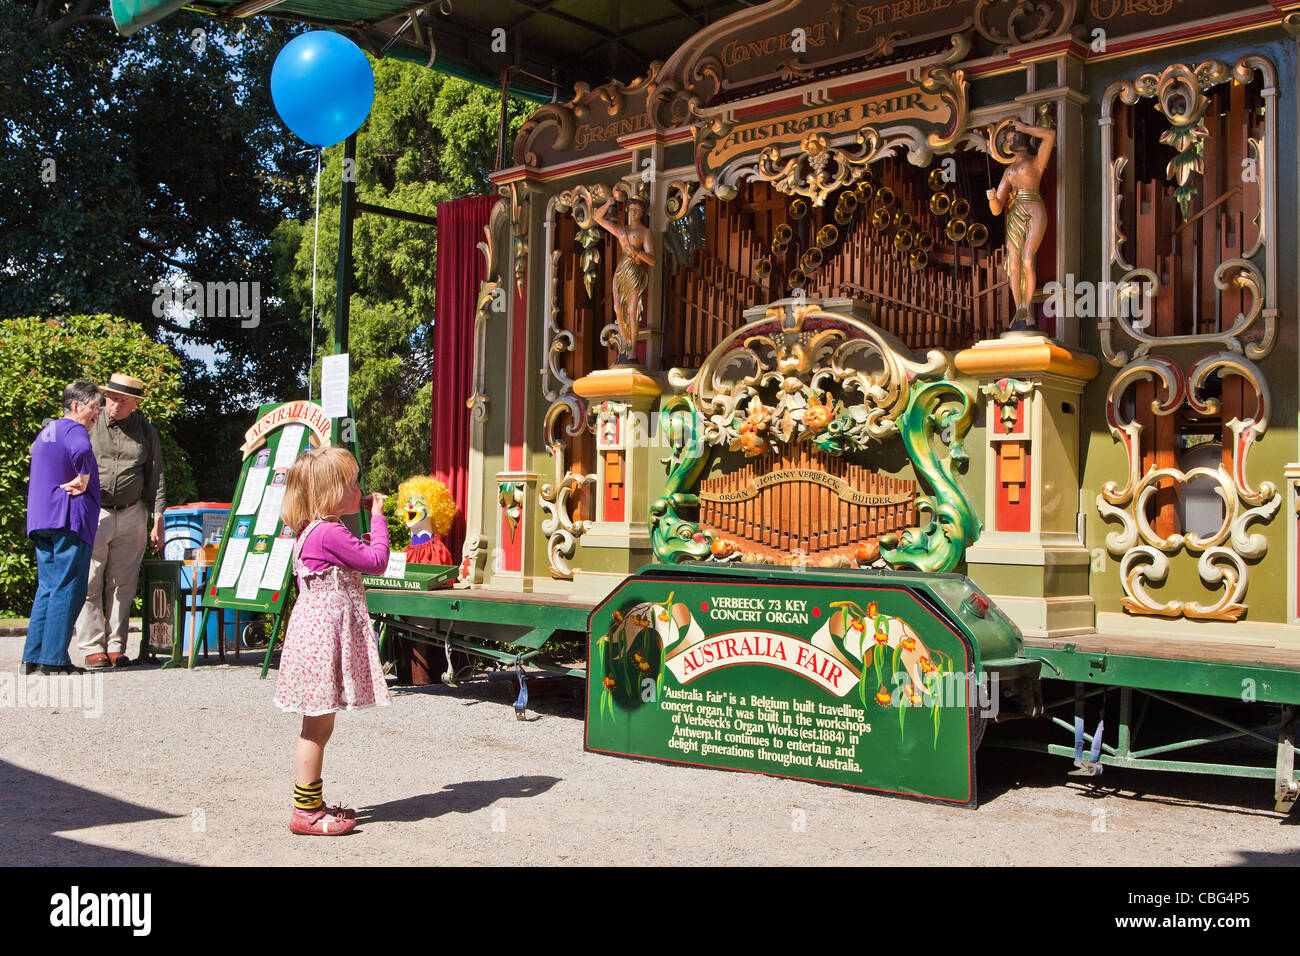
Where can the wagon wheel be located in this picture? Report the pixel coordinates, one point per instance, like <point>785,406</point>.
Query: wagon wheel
<point>255,634</point>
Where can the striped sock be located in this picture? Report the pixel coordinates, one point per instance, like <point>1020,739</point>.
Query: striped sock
<point>309,796</point>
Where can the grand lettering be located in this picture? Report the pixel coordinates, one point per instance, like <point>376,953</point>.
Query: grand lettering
<point>608,131</point>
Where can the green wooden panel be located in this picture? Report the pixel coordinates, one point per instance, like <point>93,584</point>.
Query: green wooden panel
<point>861,680</point>
<point>462,607</point>
<point>417,577</point>
<point>1214,678</point>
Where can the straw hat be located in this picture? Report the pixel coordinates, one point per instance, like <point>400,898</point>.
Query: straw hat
<point>124,385</point>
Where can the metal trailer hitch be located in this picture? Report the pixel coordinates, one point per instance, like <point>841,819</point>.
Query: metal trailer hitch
<point>521,702</point>
<point>1087,767</point>
<point>1287,789</point>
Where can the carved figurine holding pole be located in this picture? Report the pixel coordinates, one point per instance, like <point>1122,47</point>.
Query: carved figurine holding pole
<point>636,256</point>
<point>1018,194</point>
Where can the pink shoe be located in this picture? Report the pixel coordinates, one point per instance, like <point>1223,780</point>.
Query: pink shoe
<point>322,822</point>
<point>346,813</point>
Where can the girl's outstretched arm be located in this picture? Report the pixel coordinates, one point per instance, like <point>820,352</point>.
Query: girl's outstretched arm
<point>332,543</point>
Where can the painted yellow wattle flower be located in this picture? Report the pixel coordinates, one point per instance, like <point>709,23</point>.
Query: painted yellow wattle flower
<point>882,698</point>
<point>882,637</point>
<point>617,617</point>
<point>609,683</point>
<point>926,665</point>
<point>916,699</point>
<point>644,666</point>
<point>909,643</point>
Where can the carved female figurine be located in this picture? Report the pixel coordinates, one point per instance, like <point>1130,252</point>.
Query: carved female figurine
<point>636,248</point>
<point>1026,214</point>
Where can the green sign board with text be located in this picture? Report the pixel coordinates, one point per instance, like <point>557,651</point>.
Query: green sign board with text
<point>850,678</point>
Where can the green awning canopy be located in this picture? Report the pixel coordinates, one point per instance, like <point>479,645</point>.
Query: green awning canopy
<point>550,43</point>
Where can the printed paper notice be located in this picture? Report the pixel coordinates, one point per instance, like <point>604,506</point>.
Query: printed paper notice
<point>396,565</point>
<point>290,442</point>
<point>250,579</point>
<point>232,561</point>
<point>277,564</point>
<point>253,486</point>
<point>268,517</point>
<point>334,385</point>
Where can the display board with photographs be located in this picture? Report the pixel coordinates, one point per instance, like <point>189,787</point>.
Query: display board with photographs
<point>256,556</point>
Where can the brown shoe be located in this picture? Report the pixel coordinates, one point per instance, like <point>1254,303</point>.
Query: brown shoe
<point>97,660</point>
<point>118,659</point>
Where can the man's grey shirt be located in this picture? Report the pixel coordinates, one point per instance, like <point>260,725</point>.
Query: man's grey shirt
<point>130,462</point>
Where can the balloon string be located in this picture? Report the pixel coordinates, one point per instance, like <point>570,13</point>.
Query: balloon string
<point>315,245</point>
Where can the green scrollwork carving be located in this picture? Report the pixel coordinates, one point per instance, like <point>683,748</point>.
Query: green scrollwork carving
<point>941,409</point>
<point>673,537</point>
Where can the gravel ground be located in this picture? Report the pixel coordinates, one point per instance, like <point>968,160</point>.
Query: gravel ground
<point>197,767</point>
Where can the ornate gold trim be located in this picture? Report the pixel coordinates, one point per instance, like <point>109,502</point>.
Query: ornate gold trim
<point>1180,92</point>
<point>1224,552</point>
<point>1021,10</point>
<point>561,530</point>
<point>817,170</point>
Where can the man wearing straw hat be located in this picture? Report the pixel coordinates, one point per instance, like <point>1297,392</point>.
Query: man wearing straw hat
<point>131,488</point>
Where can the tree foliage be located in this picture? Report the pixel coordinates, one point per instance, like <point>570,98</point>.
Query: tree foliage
<point>127,161</point>
<point>429,138</point>
<point>168,161</point>
<point>38,357</point>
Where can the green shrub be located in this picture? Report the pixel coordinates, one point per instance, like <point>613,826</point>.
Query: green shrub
<point>38,357</point>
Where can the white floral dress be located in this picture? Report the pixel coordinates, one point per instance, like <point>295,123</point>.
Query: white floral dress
<point>330,661</point>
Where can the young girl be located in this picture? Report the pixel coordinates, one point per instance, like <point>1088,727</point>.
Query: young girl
<point>329,662</point>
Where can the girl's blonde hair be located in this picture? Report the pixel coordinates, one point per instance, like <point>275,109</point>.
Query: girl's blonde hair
<point>316,485</point>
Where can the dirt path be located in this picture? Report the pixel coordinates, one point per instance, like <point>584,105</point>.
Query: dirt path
<point>196,768</point>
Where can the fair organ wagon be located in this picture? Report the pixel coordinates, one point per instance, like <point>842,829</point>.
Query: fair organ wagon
<point>841,358</point>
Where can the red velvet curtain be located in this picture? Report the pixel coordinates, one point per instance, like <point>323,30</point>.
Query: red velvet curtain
<point>459,269</point>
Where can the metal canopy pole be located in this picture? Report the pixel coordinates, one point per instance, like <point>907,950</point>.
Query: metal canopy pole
<point>343,276</point>
<point>343,298</point>
<point>501,123</point>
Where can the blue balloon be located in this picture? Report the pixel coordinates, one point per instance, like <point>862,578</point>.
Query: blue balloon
<point>322,87</point>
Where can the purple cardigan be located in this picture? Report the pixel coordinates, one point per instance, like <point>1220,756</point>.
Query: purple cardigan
<point>331,545</point>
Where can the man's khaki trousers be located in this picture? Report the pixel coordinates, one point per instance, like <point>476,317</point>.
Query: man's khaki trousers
<point>114,570</point>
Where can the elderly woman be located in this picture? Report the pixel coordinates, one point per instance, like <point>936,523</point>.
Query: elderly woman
<point>62,516</point>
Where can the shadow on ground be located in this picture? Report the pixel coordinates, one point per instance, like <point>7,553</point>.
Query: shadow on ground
<point>548,696</point>
<point>38,807</point>
<point>1002,770</point>
<point>466,797</point>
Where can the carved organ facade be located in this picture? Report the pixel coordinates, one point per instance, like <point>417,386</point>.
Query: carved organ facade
<point>824,371</point>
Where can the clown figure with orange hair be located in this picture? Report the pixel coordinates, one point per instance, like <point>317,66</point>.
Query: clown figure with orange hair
<point>426,507</point>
